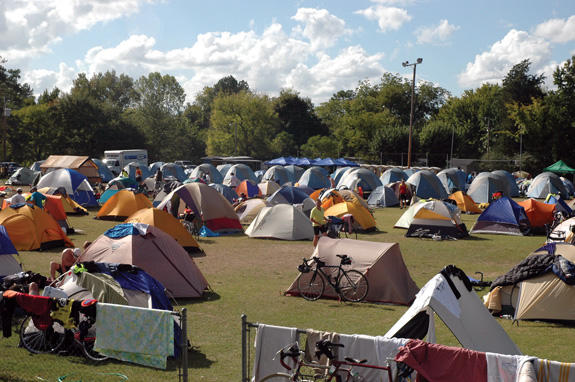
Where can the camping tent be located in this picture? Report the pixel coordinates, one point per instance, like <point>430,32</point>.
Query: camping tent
<point>8,264</point>
<point>123,204</point>
<point>75,184</point>
<point>172,170</point>
<point>282,221</point>
<point>382,196</point>
<point>249,188</point>
<point>249,209</point>
<point>568,185</point>
<point>450,295</point>
<point>560,205</point>
<point>228,192</point>
<point>154,251</point>
<point>214,209</point>
<point>363,218</point>
<point>241,171</point>
<point>538,213</point>
<point>314,178</point>
<point>427,185</point>
<point>294,172</point>
<point>381,263</point>
<point>503,216</point>
<point>547,183</point>
<point>223,169</point>
<point>82,164</point>
<point>338,173</point>
<point>359,177</point>
<point>210,169</point>
<point>130,170</point>
<point>105,173</point>
<point>277,174</point>
<point>509,180</point>
<point>453,179</point>
<point>392,175</point>
<point>465,203</point>
<point>533,290</point>
<point>268,187</point>
<point>437,218</point>
<point>560,167</point>
<point>23,176</point>
<point>168,224</point>
<point>288,195</point>
<point>484,185</point>
<point>31,228</point>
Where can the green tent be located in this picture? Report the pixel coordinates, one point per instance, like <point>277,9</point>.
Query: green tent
<point>560,167</point>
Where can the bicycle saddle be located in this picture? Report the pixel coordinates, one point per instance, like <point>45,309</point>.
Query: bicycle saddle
<point>353,360</point>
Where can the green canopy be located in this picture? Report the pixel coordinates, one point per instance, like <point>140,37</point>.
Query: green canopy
<point>560,167</point>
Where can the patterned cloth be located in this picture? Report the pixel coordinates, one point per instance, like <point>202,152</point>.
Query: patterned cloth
<point>138,335</point>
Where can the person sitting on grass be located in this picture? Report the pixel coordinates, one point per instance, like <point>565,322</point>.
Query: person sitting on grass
<point>69,258</point>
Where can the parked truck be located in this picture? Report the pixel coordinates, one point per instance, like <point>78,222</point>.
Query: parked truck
<point>116,160</point>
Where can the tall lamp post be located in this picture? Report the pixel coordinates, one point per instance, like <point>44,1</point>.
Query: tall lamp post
<point>414,64</point>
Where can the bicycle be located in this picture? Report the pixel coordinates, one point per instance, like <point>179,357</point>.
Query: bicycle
<point>338,371</point>
<point>350,285</point>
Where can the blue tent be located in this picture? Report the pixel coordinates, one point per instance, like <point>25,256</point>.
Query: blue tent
<point>359,177</point>
<point>154,167</point>
<point>130,169</point>
<point>338,173</point>
<point>228,192</point>
<point>75,184</point>
<point>427,185</point>
<point>453,179</point>
<point>345,162</point>
<point>173,170</point>
<point>294,172</point>
<point>560,205</point>
<point>107,195</point>
<point>288,195</point>
<point>8,264</point>
<point>326,162</point>
<point>392,175</point>
<point>281,161</point>
<point>304,162</point>
<point>278,174</point>
<point>103,170</point>
<point>503,216</point>
<point>314,178</point>
<point>207,168</point>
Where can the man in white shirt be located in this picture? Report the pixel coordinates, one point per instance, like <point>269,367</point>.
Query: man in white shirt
<point>18,198</point>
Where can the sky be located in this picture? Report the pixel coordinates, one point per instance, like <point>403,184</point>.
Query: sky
<point>316,47</point>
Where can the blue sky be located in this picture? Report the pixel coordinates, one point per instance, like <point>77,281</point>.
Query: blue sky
<point>315,47</point>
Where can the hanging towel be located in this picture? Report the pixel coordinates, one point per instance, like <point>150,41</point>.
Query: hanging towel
<point>269,340</point>
<point>553,371</point>
<point>375,349</point>
<point>527,373</point>
<point>312,338</point>
<point>138,335</point>
<point>504,368</point>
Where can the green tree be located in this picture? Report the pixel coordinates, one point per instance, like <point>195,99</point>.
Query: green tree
<point>107,88</point>
<point>320,146</point>
<point>520,86</point>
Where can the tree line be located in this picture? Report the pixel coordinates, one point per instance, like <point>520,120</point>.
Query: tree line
<point>114,111</point>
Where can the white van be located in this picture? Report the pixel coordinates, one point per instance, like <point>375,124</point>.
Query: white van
<point>116,160</point>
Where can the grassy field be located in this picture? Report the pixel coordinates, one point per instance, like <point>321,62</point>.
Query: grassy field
<point>248,276</point>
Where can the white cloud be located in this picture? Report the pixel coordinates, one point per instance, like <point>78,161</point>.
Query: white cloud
<point>321,28</point>
<point>29,27</point>
<point>42,79</point>
<point>493,65</point>
<point>388,18</point>
<point>436,34</point>
<point>557,30</point>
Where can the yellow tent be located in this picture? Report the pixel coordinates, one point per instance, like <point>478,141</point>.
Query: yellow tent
<point>361,215</point>
<point>31,228</point>
<point>123,204</point>
<point>70,206</point>
<point>465,203</point>
<point>168,224</point>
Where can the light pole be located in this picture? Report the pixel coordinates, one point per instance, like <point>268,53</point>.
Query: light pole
<point>414,64</point>
<point>452,138</point>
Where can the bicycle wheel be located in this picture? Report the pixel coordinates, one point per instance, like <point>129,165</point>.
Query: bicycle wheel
<point>278,377</point>
<point>89,352</point>
<point>41,341</point>
<point>310,285</point>
<point>353,286</point>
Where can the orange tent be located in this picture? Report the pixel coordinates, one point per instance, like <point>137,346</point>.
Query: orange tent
<point>249,188</point>
<point>361,215</point>
<point>314,195</point>
<point>31,228</point>
<point>167,223</point>
<point>538,213</point>
<point>330,198</point>
<point>465,203</point>
<point>123,204</point>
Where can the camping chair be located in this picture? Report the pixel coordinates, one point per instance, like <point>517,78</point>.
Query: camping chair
<point>348,223</point>
<point>334,226</point>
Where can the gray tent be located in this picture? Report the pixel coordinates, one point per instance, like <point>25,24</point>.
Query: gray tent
<point>453,179</point>
<point>210,169</point>
<point>277,174</point>
<point>24,176</point>
<point>359,177</point>
<point>392,175</point>
<point>282,221</point>
<point>547,183</point>
<point>382,196</point>
<point>485,185</point>
<point>427,185</point>
<point>512,190</point>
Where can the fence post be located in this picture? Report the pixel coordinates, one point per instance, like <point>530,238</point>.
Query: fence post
<point>244,346</point>
<point>184,345</point>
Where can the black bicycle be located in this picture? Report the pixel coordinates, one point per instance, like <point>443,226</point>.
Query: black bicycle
<point>350,285</point>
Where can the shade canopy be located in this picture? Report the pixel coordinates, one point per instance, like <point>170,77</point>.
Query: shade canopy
<point>560,167</point>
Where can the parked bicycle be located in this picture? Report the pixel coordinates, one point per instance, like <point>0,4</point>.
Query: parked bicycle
<point>337,371</point>
<point>350,285</point>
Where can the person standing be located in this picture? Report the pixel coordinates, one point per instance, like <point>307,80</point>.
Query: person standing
<point>403,194</point>
<point>318,221</point>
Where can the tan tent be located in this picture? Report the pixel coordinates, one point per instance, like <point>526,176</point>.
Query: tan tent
<point>382,264</point>
<point>155,252</point>
<point>268,187</point>
<point>168,224</point>
<point>83,164</point>
<point>282,221</point>
<point>249,209</point>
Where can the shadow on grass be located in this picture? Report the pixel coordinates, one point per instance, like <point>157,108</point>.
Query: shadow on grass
<point>196,360</point>
<point>370,305</point>
<point>12,378</point>
<point>208,296</point>
<point>475,238</point>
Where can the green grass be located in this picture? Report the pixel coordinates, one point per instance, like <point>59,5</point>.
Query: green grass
<point>248,276</point>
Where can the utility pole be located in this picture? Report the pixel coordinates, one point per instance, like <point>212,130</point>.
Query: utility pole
<point>414,64</point>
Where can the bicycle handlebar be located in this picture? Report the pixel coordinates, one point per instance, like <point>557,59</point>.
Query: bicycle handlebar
<point>326,348</point>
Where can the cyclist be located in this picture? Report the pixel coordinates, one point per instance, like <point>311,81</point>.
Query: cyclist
<point>318,221</point>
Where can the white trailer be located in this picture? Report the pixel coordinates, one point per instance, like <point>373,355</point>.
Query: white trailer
<point>116,160</point>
